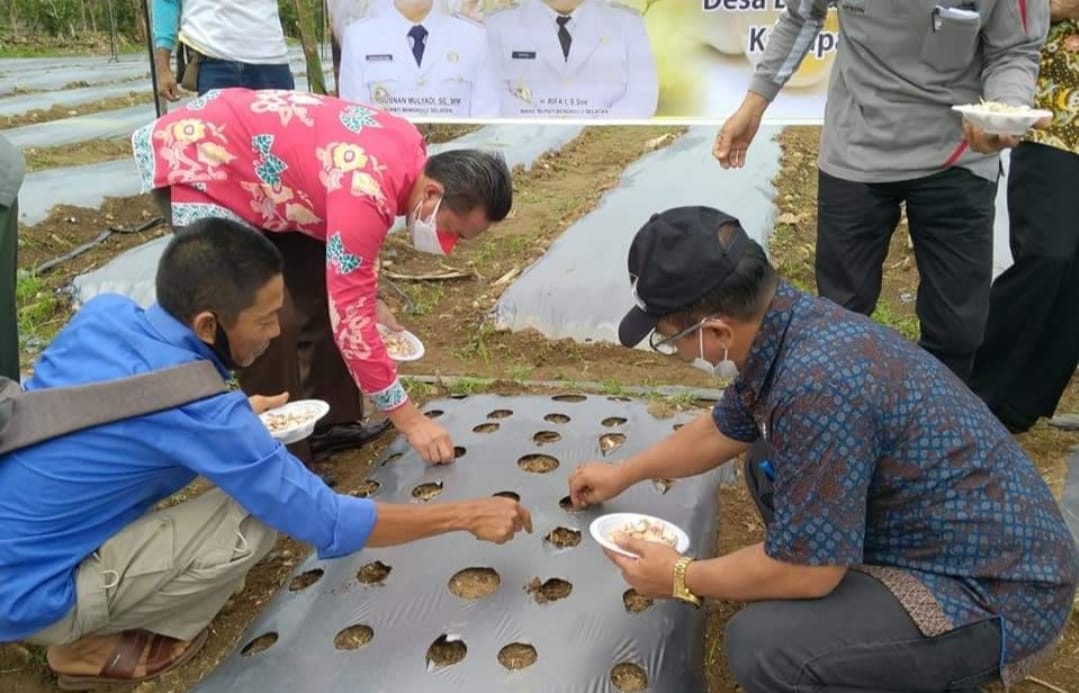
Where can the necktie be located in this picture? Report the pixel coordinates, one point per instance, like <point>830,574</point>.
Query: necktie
<point>419,39</point>
<point>563,35</point>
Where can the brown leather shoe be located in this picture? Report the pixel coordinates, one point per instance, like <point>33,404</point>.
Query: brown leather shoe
<point>348,436</point>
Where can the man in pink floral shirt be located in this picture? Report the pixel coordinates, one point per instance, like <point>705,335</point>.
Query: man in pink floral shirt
<point>326,179</point>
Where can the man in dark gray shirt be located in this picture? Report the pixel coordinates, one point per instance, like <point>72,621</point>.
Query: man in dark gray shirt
<point>891,139</point>
<point>12,169</point>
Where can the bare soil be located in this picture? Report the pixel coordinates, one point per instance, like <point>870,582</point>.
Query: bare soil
<point>354,637</point>
<point>538,464</point>
<point>550,590</point>
<point>563,537</point>
<point>305,580</point>
<point>517,655</point>
<point>546,437</point>
<point>443,653</point>
<point>627,677</point>
<point>426,491</point>
<point>61,111</point>
<point>475,583</point>
<point>636,602</point>
<point>374,573</point>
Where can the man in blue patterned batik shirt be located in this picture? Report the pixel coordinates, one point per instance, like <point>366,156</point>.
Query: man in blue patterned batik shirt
<point>910,544</point>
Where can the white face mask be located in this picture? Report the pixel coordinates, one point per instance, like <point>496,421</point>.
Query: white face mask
<point>725,369</point>
<point>425,233</point>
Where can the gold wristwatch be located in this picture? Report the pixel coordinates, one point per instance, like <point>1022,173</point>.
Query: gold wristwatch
<point>680,590</point>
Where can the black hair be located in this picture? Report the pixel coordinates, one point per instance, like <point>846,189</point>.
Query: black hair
<point>215,265</point>
<point>473,178</point>
<point>743,295</point>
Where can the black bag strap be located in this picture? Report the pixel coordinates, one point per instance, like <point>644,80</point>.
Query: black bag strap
<point>39,415</point>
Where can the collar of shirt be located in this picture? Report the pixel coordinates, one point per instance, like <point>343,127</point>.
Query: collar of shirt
<point>432,21</point>
<point>769,339</point>
<point>575,16</point>
<point>175,332</point>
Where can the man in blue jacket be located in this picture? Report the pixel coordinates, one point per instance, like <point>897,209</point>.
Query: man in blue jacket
<point>122,591</point>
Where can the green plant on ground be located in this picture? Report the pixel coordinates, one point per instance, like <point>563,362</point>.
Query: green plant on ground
<point>906,325</point>
<point>40,310</point>
<point>469,386</point>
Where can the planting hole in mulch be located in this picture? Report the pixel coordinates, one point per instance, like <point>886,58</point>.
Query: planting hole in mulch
<point>538,464</point>
<point>305,580</point>
<point>486,428</point>
<point>677,426</point>
<point>663,485</point>
<point>259,644</point>
<point>557,418</point>
<point>609,442</point>
<point>353,637</point>
<point>393,458</point>
<point>374,573</point>
<point>567,504</point>
<point>546,437</point>
<point>458,452</point>
<point>475,583</point>
<point>628,677</point>
<point>563,537</point>
<point>620,398</point>
<point>550,590</point>
<point>435,413</point>
<point>517,655</point>
<point>459,396</point>
<point>427,491</point>
<point>445,653</point>
<point>508,494</point>
<point>500,414</point>
<point>612,421</point>
<point>367,489</point>
<point>569,398</point>
<point>636,602</point>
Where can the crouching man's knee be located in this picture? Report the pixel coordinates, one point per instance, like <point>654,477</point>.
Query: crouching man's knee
<point>753,642</point>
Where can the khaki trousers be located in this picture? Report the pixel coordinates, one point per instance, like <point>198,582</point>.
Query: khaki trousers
<point>168,572</point>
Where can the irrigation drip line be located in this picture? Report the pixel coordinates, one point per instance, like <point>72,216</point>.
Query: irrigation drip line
<point>56,261</point>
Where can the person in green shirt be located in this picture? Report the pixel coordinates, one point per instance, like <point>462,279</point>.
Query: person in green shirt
<point>12,172</point>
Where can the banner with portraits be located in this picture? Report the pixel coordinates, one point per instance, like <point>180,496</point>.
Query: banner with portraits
<point>602,60</point>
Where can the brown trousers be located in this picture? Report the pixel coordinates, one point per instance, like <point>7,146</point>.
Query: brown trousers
<point>304,360</point>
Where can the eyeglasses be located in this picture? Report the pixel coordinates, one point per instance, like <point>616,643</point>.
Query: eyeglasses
<point>666,345</point>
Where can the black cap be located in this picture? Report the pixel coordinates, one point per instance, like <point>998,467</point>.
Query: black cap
<point>676,259</point>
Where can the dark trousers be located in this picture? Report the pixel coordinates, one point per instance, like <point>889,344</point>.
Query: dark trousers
<point>857,639</point>
<point>222,74</point>
<point>304,360</point>
<point>950,215</point>
<point>1031,346</point>
<point>9,314</point>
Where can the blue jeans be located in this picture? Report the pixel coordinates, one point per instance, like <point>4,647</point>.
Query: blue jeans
<point>222,74</point>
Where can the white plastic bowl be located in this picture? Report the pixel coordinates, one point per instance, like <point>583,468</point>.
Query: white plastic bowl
<point>602,527</point>
<point>314,409</point>
<point>410,337</point>
<point>1014,123</point>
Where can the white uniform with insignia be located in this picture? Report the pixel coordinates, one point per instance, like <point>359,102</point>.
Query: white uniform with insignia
<point>610,70</point>
<point>454,77</point>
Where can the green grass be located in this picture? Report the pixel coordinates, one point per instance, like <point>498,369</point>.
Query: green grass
<point>417,389</point>
<point>425,296</point>
<point>469,386</point>
<point>41,310</point>
<point>906,325</point>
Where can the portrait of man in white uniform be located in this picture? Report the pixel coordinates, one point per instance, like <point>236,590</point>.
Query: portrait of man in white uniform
<point>411,58</point>
<point>573,58</point>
